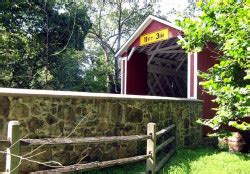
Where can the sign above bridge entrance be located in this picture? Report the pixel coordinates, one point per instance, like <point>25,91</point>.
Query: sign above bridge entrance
<point>154,37</point>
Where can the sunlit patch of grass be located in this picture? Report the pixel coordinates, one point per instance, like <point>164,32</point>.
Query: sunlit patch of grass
<point>207,161</point>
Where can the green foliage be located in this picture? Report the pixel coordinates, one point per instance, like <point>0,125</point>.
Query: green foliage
<point>40,43</point>
<point>67,72</point>
<point>113,24</point>
<point>96,70</point>
<point>225,24</point>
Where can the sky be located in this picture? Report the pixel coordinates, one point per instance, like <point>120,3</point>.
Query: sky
<point>170,4</point>
<point>166,5</point>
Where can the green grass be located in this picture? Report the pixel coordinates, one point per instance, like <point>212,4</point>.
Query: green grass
<point>207,161</point>
<point>191,161</point>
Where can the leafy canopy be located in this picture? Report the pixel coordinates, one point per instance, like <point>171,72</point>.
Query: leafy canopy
<point>113,23</point>
<point>41,43</point>
<point>225,24</point>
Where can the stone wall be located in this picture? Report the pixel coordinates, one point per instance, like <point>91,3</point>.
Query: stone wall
<point>57,114</point>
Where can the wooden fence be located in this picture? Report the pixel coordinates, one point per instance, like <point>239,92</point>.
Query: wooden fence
<point>152,166</point>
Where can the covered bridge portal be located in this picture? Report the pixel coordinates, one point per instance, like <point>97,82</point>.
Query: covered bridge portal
<point>158,69</point>
<point>152,63</point>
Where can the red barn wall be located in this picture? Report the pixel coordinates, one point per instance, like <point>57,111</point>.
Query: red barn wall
<point>137,74</point>
<point>206,59</point>
<point>156,26</point>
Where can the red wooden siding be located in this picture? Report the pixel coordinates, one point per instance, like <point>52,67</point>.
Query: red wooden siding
<point>155,26</point>
<point>206,59</point>
<point>137,74</point>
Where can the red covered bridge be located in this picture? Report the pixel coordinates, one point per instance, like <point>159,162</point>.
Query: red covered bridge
<point>152,63</point>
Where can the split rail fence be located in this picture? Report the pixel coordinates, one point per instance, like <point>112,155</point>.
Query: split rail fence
<point>152,166</point>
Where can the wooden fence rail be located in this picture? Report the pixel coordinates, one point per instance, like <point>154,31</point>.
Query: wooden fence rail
<point>153,149</point>
<point>165,143</point>
<point>88,140</point>
<point>164,160</point>
<point>164,131</point>
<point>93,165</point>
<point>14,142</point>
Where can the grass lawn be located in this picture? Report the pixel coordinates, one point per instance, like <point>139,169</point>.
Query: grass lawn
<point>207,161</point>
<point>192,161</point>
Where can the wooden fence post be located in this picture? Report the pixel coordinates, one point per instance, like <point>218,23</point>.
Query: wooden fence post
<point>151,148</point>
<point>13,136</point>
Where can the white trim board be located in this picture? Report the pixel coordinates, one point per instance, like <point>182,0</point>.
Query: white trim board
<point>195,75</point>
<point>125,75</point>
<point>122,75</point>
<point>131,53</point>
<point>71,94</point>
<point>188,74</point>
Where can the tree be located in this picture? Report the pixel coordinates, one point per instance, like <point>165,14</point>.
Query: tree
<point>41,43</point>
<point>113,24</point>
<point>224,23</point>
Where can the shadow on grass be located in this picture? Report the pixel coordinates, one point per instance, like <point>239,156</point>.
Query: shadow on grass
<point>133,168</point>
<point>180,163</point>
